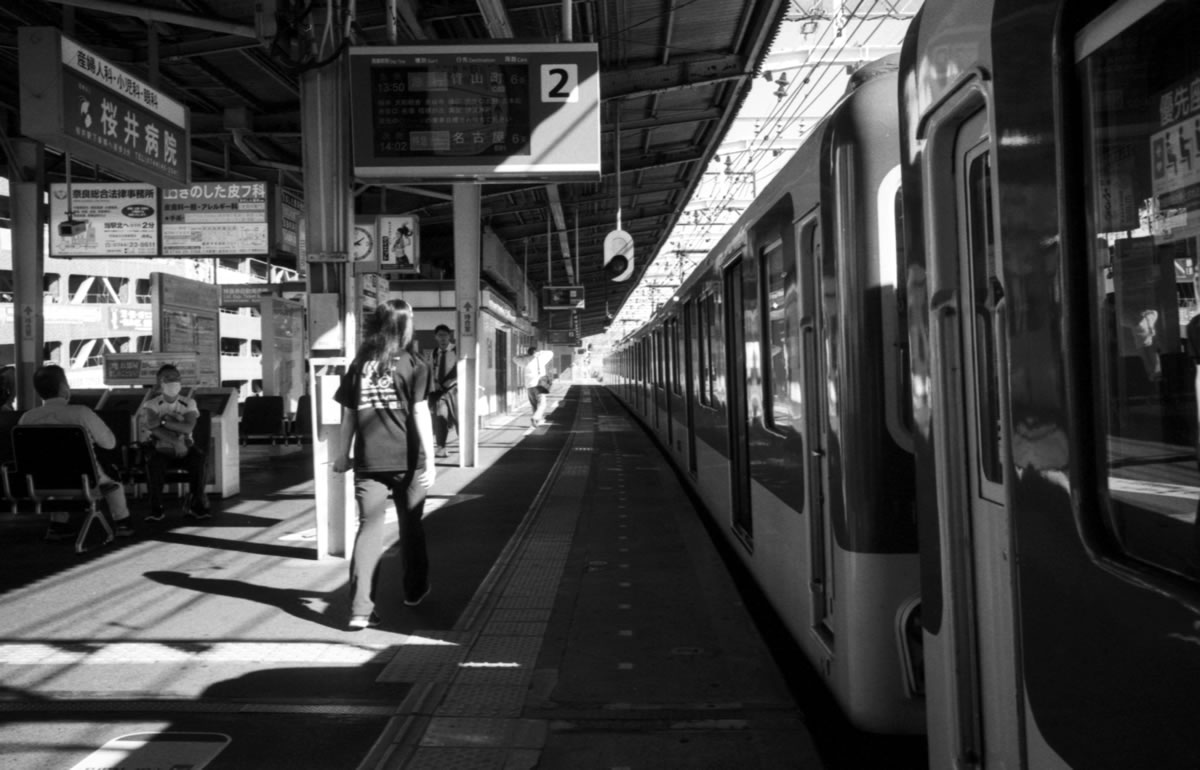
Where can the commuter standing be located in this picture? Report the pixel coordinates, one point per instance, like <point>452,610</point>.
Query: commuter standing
<point>166,422</point>
<point>8,388</point>
<point>443,389</point>
<point>50,382</point>
<point>385,421</point>
<point>537,381</point>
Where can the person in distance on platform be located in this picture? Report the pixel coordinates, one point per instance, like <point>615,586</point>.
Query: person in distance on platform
<point>443,388</point>
<point>386,426</point>
<point>165,424</point>
<point>8,388</point>
<point>537,381</point>
<point>50,382</point>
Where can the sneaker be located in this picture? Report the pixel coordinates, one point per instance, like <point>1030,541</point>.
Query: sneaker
<point>199,514</point>
<point>56,532</point>
<point>359,622</point>
<point>415,600</point>
<point>121,529</point>
<point>156,514</point>
<point>441,452</point>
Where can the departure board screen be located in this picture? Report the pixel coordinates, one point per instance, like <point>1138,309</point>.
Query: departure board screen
<point>476,110</point>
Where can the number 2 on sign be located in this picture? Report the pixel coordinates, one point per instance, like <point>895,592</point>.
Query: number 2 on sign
<point>560,82</point>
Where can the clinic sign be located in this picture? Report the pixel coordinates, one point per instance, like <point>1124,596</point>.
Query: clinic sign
<point>74,100</point>
<point>479,111</point>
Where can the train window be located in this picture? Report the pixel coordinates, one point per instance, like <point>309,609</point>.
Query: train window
<point>1139,75</point>
<point>706,330</point>
<point>676,369</point>
<point>983,278</point>
<point>781,348</point>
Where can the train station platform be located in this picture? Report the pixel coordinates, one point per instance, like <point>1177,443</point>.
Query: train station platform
<point>580,617</point>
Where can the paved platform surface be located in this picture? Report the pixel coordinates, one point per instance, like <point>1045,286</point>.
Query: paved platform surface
<point>579,618</point>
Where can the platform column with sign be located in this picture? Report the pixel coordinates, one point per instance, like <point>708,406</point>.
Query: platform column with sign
<point>328,206</point>
<point>467,233</point>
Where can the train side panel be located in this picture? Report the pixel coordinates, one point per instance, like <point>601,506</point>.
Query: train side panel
<point>789,438</point>
<point>1052,243</point>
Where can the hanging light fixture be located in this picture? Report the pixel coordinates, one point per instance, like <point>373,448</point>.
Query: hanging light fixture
<point>781,91</point>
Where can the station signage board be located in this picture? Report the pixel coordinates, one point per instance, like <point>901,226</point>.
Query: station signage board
<point>204,219</point>
<point>246,294</point>
<point>216,219</point>
<point>114,219</point>
<point>75,100</point>
<point>479,111</point>
<point>562,298</point>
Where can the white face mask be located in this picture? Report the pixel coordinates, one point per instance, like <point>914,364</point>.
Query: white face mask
<point>171,389</point>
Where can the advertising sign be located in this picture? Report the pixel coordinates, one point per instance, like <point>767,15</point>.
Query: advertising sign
<point>142,368</point>
<point>290,216</point>
<point>476,111</point>
<point>1175,162</point>
<point>110,219</point>
<point>247,294</point>
<point>216,219</point>
<point>74,100</point>
<point>399,244</point>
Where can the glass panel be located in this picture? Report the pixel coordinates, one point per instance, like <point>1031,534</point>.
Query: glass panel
<point>902,368</point>
<point>782,346</point>
<point>1141,95</point>
<point>983,280</point>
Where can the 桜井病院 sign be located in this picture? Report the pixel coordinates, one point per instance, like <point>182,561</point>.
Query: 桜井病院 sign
<point>74,100</point>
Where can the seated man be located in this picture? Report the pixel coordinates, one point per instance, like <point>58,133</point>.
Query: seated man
<point>165,425</point>
<point>50,382</point>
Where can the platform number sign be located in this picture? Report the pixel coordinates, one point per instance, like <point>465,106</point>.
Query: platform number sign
<point>477,111</point>
<point>560,83</point>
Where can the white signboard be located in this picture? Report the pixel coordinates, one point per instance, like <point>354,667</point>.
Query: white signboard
<point>111,219</point>
<point>215,219</point>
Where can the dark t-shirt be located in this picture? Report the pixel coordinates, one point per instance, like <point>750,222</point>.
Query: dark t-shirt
<point>386,438</point>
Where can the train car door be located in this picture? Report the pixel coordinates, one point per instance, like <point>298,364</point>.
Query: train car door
<point>981,672</point>
<point>739,429</point>
<point>820,533</point>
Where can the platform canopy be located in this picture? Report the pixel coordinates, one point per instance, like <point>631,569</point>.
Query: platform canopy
<point>672,76</point>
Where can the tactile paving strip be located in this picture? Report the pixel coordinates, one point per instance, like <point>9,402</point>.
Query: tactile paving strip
<point>482,700</point>
<point>476,722</point>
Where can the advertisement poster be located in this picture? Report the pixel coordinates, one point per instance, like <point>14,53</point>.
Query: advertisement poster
<point>114,219</point>
<point>216,219</point>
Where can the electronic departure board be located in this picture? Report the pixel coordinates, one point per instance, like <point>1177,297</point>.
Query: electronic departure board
<point>479,111</point>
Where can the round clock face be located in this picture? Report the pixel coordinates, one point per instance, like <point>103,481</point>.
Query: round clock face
<point>364,242</point>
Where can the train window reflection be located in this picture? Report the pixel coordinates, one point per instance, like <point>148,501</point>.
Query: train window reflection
<point>1141,96</point>
<point>782,346</point>
<point>983,303</point>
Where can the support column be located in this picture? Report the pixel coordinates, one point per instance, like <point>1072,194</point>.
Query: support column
<point>27,184</point>
<point>467,238</point>
<point>328,208</point>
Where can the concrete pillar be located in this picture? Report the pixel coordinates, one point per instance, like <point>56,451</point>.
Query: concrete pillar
<point>328,207</point>
<point>467,239</point>
<point>27,183</point>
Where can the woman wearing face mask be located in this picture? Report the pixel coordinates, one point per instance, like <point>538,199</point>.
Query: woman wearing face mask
<point>166,422</point>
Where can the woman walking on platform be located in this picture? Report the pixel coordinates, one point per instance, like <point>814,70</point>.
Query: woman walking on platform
<point>385,421</point>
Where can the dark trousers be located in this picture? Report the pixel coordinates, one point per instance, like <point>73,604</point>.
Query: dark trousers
<point>371,492</point>
<point>156,474</point>
<point>445,416</point>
